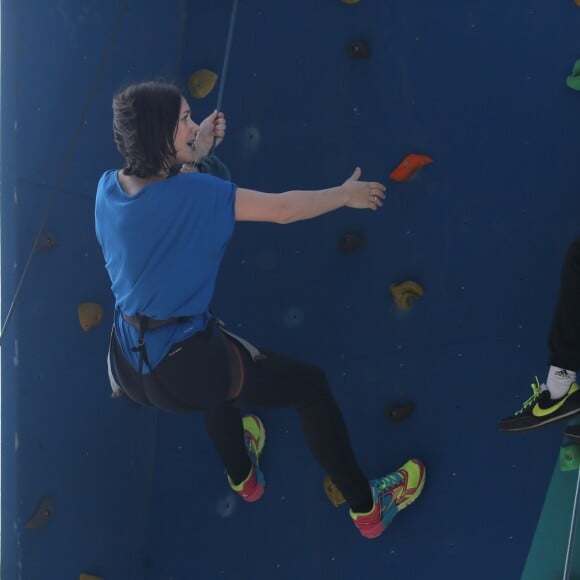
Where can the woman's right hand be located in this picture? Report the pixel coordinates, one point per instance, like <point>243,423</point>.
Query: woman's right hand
<point>212,128</point>
<point>363,194</point>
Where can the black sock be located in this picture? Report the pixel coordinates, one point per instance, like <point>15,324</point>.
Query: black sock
<point>363,508</point>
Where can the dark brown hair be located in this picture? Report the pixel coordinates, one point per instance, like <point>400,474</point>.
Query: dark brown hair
<point>145,117</point>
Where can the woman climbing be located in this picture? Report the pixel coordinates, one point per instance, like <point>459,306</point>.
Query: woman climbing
<point>163,227</point>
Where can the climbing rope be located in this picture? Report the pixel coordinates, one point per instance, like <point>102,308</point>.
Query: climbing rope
<point>570,549</point>
<point>66,163</point>
<point>226,62</point>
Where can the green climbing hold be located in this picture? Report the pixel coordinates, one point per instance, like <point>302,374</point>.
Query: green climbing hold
<point>573,80</point>
<point>569,457</point>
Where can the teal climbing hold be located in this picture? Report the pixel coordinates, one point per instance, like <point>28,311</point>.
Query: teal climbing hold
<point>573,80</point>
<point>569,457</point>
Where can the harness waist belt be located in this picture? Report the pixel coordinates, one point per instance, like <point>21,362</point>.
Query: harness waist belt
<point>151,323</point>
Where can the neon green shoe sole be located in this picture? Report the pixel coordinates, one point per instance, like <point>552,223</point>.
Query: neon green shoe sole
<point>255,434</point>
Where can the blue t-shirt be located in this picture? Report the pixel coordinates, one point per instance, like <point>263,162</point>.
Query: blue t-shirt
<point>163,248</point>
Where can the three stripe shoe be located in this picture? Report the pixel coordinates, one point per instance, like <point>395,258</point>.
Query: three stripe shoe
<point>540,409</point>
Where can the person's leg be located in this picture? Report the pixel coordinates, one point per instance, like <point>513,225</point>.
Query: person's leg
<point>224,427</point>
<point>239,442</point>
<point>564,338</point>
<point>278,381</point>
<point>180,384</point>
<point>559,397</point>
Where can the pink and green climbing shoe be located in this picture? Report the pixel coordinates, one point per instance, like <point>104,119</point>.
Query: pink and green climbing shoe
<point>252,488</point>
<point>391,494</point>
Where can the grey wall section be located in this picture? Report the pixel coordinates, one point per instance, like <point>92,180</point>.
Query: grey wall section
<point>480,88</point>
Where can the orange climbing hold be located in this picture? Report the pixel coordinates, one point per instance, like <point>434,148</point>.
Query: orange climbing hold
<point>332,492</point>
<point>409,165</point>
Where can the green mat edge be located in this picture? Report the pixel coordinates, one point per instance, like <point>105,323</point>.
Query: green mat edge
<point>548,550</point>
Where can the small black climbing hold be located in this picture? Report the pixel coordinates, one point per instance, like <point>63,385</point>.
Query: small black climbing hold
<point>399,411</point>
<point>46,243</point>
<point>41,515</point>
<point>351,243</point>
<point>359,49</point>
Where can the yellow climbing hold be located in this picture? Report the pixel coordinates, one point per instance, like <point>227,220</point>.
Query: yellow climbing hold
<point>577,2</point>
<point>405,293</point>
<point>90,314</point>
<point>201,83</point>
<point>84,576</point>
<point>332,492</point>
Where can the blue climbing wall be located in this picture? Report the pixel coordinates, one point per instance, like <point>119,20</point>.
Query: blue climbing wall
<point>136,494</point>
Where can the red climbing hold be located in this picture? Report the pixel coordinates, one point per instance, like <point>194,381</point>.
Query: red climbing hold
<point>409,165</point>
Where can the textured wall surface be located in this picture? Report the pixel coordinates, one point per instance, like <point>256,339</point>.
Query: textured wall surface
<point>136,494</point>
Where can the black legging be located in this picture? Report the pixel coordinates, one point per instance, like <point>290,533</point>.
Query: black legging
<point>564,339</point>
<point>274,381</point>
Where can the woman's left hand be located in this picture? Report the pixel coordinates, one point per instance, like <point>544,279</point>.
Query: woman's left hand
<point>213,126</point>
